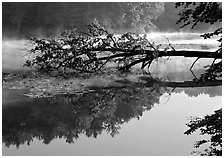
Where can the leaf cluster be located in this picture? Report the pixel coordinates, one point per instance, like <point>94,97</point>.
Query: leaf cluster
<point>201,12</point>
<point>214,72</point>
<point>89,52</point>
<point>209,125</point>
<point>193,13</point>
<point>68,51</point>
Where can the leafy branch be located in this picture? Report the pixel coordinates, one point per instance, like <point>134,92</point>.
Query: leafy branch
<point>210,125</point>
<point>90,52</point>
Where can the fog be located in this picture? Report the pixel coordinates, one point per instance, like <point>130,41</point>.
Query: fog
<point>14,52</point>
<point>13,55</point>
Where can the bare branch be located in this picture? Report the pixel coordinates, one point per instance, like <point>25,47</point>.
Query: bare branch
<point>194,63</point>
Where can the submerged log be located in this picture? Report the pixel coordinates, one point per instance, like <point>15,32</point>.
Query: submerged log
<point>190,84</point>
<point>151,83</point>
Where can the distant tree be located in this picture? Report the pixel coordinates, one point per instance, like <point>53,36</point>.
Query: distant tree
<point>139,15</point>
<point>43,18</point>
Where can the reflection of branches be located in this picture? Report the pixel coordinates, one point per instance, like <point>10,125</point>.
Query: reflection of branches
<point>213,73</point>
<point>70,116</point>
<point>195,77</point>
<point>194,63</point>
<point>90,112</point>
<point>185,84</point>
<point>169,94</point>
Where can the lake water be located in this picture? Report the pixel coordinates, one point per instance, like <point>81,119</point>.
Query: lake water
<point>127,122</point>
<point>130,121</point>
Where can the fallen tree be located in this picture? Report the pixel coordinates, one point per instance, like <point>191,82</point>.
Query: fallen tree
<point>90,52</point>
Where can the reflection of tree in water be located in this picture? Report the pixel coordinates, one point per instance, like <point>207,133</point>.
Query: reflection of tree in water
<point>195,92</point>
<point>70,116</point>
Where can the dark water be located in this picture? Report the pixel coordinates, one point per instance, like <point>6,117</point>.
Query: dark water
<point>116,121</point>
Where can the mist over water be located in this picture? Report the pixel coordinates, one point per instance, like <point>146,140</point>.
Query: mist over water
<point>181,38</point>
<point>14,53</point>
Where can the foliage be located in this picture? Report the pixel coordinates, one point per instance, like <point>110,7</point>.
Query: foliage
<point>89,52</point>
<point>55,53</point>
<point>214,72</point>
<point>193,13</point>
<point>203,12</point>
<point>209,125</point>
<point>139,15</point>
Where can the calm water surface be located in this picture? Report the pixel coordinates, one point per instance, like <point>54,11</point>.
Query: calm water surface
<point>128,121</point>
